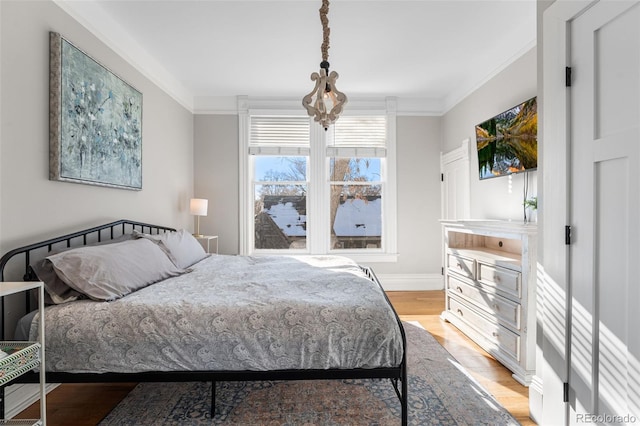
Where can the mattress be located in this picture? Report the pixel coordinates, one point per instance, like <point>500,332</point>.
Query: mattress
<point>232,313</point>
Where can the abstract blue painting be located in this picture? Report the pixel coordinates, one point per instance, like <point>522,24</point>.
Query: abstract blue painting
<point>95,121</point>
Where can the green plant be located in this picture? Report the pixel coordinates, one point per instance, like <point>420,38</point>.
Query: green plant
<point>531,202</point>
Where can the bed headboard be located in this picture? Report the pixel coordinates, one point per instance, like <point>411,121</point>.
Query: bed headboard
<point>100,233</point>
<point>22,257</point>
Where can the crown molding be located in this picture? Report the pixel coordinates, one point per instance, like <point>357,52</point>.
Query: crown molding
<point>459,95</point>
<point>228,105</point>
<point>89,14</point>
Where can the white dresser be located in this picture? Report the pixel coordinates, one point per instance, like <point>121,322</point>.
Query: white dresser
<point>490,284</point>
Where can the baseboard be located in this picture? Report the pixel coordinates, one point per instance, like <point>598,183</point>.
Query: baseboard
<point>20,397</point>
<point>535,399</point>
<point>411,282</point>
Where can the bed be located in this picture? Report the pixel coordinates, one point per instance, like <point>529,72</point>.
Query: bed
<point>220,318</point>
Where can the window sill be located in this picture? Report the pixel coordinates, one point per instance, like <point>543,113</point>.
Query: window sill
<point>355,256</point>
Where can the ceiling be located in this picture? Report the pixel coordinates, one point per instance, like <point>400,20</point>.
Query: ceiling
<point>206,52</point>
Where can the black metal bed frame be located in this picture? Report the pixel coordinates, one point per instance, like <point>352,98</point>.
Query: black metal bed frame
<point>395,374</point>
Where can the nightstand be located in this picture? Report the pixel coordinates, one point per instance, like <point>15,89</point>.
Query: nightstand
<point>21,357</point>
<point>208,239</point>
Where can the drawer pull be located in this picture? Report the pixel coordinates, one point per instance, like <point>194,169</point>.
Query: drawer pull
<point>494,334</point>
<point>460,312</point>
<point>496,279</point>
<point>459,289</point>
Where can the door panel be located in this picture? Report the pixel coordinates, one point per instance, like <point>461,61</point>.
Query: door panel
<point>455,199</point>
<point>611,290</point>
<point>605,192</point>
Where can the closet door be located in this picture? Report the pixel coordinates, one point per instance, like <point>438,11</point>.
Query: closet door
<point>605,186</point>
<point>455,197</point>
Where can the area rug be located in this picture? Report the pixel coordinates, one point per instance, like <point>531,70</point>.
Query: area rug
<point>441,392</point>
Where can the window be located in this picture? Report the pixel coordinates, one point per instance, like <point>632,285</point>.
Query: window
<point>280,202</point>
<point>357,182</point>
<point>305,190</point>
<point>278,162</point>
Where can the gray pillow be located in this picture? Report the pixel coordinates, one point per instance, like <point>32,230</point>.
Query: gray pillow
<point>56,290</point>
<point>112,271</point>
<point>181,247</point>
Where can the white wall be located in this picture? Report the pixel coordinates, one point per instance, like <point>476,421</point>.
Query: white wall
<point>217,179</point>
<point>418,176</point>
<point>418,180</point>
<point>494,198</point>
<point>33,207</point>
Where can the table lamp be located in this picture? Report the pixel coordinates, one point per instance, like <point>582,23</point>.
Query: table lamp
<point>198,207</point>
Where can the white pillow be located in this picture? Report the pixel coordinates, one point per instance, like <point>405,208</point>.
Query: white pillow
<point>181,247</point>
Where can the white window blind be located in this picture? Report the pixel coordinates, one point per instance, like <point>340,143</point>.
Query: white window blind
<point>359,136</point>
<point>279,135</point>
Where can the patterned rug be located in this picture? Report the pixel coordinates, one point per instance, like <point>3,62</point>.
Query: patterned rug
<point>441,392</point>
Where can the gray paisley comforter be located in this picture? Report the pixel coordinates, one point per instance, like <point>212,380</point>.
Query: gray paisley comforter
<point>231,313</point>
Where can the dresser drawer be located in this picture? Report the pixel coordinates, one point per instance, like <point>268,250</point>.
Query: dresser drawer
<point>506,311</point>
<point>461,265</point>
<point>502,279</point>
<point>507,342</point>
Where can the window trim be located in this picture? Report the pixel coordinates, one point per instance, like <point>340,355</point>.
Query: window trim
<point>318,181</point>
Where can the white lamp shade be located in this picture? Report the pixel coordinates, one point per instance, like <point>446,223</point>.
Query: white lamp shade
<point>198,206</point>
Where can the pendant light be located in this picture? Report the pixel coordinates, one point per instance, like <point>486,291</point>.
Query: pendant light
<point>325,101</point>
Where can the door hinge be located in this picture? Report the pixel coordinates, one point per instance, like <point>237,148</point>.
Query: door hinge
<point>567,235</point>
<point>565,392</point>
<point>442,270</point>
<point>441,177</point>
<point>567,76</point>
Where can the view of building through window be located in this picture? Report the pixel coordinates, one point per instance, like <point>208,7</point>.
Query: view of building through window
<point>355,203</point>
<point>280,202</point>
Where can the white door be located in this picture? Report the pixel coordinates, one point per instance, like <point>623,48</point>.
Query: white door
<point>455,197</point>
<point>604,373</point>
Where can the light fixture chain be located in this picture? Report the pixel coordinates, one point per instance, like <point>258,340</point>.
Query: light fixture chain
<point>324,10</point>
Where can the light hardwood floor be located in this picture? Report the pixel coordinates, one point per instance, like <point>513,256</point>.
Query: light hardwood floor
<point>87,404</point>
<point>426,307</point>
